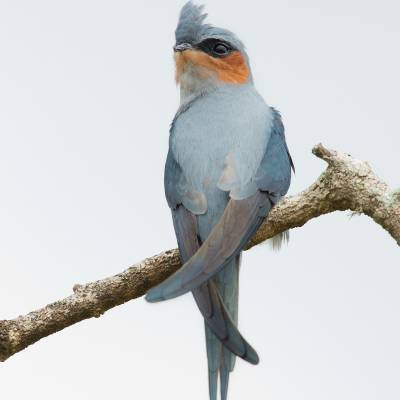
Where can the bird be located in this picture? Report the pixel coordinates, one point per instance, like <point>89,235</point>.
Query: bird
<point>227,166</point>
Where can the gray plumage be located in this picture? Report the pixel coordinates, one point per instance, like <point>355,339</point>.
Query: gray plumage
<point>228,164</point>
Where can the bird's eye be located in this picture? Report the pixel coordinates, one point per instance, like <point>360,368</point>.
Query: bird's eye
<point>221,49</point>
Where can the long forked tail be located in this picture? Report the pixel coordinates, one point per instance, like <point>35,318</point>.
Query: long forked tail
<point>220,360</point>
<point>220,319</point>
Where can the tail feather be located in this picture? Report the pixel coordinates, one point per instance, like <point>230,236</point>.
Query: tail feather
<point>214,348</point>
<point>222,336</point>
<point>213,384</point>
<point>224,372</point>
<point>221,361</point>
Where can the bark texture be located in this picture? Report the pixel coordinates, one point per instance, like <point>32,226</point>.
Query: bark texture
<point>346,184</point>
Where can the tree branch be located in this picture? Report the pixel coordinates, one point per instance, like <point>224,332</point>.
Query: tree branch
<point>346,184</point>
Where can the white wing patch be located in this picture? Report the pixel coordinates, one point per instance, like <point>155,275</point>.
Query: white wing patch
<point>229,179</point>
<point>195,202</point>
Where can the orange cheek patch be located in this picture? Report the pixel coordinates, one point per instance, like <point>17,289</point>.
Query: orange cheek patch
<point>230,69</point>
<point>179,66</point>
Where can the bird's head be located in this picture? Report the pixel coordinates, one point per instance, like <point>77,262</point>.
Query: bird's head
<point>205,55</point>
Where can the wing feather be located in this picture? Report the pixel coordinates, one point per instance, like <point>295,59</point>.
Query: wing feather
<point>207,296</point>
<point>238,223</point>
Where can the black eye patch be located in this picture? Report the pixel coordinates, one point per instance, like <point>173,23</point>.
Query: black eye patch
<point>215,47</point>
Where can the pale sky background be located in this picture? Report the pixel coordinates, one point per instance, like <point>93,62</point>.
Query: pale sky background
<point>86,97</point>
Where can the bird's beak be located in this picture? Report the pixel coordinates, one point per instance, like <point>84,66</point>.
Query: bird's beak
<point>182,47</point>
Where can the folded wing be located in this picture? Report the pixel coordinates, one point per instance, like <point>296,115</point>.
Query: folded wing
<point>207,296</point>
<point>238,223</point>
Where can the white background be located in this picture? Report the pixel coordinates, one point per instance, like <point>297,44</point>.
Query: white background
<point>86,97</point>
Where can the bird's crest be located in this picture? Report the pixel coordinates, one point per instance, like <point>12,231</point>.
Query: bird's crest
<point>191,23</point>
<point>192,29</point>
